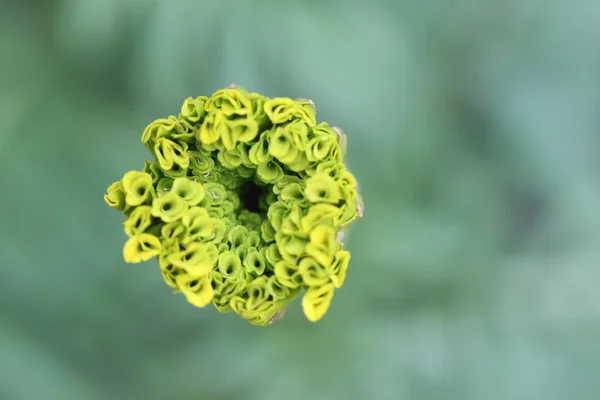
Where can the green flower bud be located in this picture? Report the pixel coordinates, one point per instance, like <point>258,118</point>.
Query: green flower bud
<point>245,204</point>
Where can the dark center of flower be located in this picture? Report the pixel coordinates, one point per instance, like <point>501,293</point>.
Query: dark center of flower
<point>250,195</point>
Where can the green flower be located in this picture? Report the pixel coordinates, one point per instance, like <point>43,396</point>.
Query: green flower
<point>244,205</point>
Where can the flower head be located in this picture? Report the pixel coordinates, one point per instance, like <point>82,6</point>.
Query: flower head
<point>244,205</point>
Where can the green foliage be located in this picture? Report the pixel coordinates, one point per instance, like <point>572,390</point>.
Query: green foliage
<point>245,205</point>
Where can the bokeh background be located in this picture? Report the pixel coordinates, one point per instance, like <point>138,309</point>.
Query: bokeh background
<point>474,132</point>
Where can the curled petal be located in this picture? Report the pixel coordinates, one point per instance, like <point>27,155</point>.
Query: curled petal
<point>320,147</point>
<point>229,265</point>
<point>230,102</point>
<point>189,191</point>
<point>184,132</point>
<point>200,163</point>
<point>157,129</point>
<point>230,158</point>
<point>198,224</point>
<point>240,130</point>
<point>253,239</point>
<point>322,244</point>
<point>216,192</point>
<point>153,170</point>
<point>322,188</point>
<point>140,248</point>
<point>164,185</point>
<point>299,133</point>
<point>169,207</point>
<point>169,153</point>
<point>282,146</point>
<point>276,214</point>
<point>270,172</point>
<point>293,193</point>
<point>259,152</point>
<point>277,290</point>
<point>300,163</point>
<point>258,111</point>
<point>285,181</point>
<point>176,171</point>
<point>195,260</point>
<point>173,230</point>
<point>339,267</point>
<point>319,214</point>
<point>213,128</point>
<point>115,197</point>
<point>290,247</point>
<point>281,110</point>
<point>241,251</point>
<point>316,301</point>
<point>291,224</point>
<point>219,230</point>
<point>257,293</point>
<point>272,254</point>
<point>138,221</point>
<point>313,274</point>
<point>193,109</point>
<point>137,187</point>
<point>197,290</point>
<point>349,213</point>
<point>237,236</point>
<point>288,275</point>
<point>255,263</point>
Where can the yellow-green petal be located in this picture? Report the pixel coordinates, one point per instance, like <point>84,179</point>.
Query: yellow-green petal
<point>195,260</point>
<point>169,207</point>
<point>270,172</point>
<point>193,109</point>
<point>138,221</point>
<point>197,290</point>
<point>322,246</point>
<point>229,265</point>
<point>213,128</point>
<point>322,188</point>
<point>189,191</point>
<point>115,197</point>
<point>339,267</point>
<point>316,301</point>
<point>140,248</point>
<point>313,274</point>
<point>137,187</point>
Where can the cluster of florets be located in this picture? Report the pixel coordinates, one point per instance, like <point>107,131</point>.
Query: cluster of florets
<point>243,205</point>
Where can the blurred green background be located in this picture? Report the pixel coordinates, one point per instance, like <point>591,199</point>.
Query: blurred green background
<point>474,132</point>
